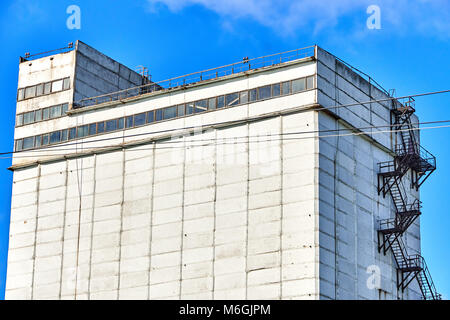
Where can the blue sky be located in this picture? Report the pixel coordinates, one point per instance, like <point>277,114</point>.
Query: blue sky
<point>175,37</point>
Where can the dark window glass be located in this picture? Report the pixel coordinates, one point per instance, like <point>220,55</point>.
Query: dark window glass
<point>82,131</point>
<point>111,125</point>
<point>232,99</point>
<point>212,104</point>
<point>47,87</point>
<point>150,117</point>
<point>298,85</point>
<point>38,115</point>
<point>55,137</point>
<point>72,133</point>
<point>28,143</point>
<point>252,95</point>
<point>46,113</point>
<point>66,83</point>
<point>30,92</point>
<point>64,135</point>
<point>92,129</point>
<point>19,145</point>
<point>310,82</point>
<point>19,120</point>
<point>100,127</point>
<point>180,110</point>
<point>121,123</point>
<point>55,111</point>
<point>38,141</point>
<point>220,102</point>
<point>28,117</point>
<point>139,119</point>
<point>65,108</point>
<point>40,89</point>
<point>243,97</point>
<point>264,92</point>
<point>158,115</point>
<point>286,86</point>
<point>170,112</point>
<point>189,108</point>
<point>276,90</point>
<point>45,139</point>
<point>20,96</point>
<point>129,122</point>
<point>201,106</point>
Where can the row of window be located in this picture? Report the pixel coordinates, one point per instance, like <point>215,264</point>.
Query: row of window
<point>42,114</point>
<point>42,89</point>
<point>181,110</point>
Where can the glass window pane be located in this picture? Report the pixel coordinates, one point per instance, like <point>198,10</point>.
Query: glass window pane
<point>111,125</point>
<point>47,87</point>
<point>64,135</point>
<point>252,95</point>
<point>212,104</point>
<point>170,112</point>
<point>65,108</point>
<point>158,115</point>
<point>72,133</point>
<point>298,85</point>
<point>276,90</point>
<point>45,139</point>
<point>28,143</point>
<point>46,113</point>
<point>30,92</point>
<point>232,99</point>
<point>180,110</point>
<point>57,85</point>
<point>82,131</point>
<point>310,82</point>
<point>19,145</point>
<point>264,92</point>
<point>121,123</point>
<point>129,122</point>
<point>189,108</point>
<point>20,96</point>
<point>55,137</point>
<point>243,97</point>
<point>286,86</point>
<point>40,89</point>
<point>19,120</point>
<point>92,129</point>
<point>100,127</point>
<point>66,83</point>
<point>55,111</point>
<point>38,141</point>
<point>201,106</point>
<point>220,102</point>
<point>150,117</point>
<point>28,117</point>
<point>139,119</point>
<point>38,115</point>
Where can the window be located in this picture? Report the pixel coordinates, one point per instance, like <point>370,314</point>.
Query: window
<point>243,97</point>
<point>189,108</point>
<point>129,122</point>
<point>276,90</point>
<point>232,99</point>
<point>252,95</point>
<point>55,111</point>
<point>111,125</point>
<point>298,85</point>
<point>100,127</point>
<point>220,102</point>
<point>19,120</point>
<point>121,123</point>
<point>286,86</point>
<point>92,129</point>
<point>21,94</point>
<point>19,145</point>
<point>264,92</point>
<point>72,133</point>
<point>212,104</point>
<point>201,105</point>
<point>64,135</point>
<point>180,110</point>
<point>150,117</point>
<point>47,87</point>
<point>30,92</point>
<point>45,139</point>
<point>28,143</point>
<point>170,112</point>
<point>28,117</point>
<point>38,141</point>
<point>57,85</point>
<point>82,131</point>
<point>158,115</point>
<point>38,115</point>
<point>65,108</point>
<point>66,83</point>
<point>40,89</point>
<point>139,119</point>
<point>46,113</point>
<point>310,82</point>
<point>55,137</point>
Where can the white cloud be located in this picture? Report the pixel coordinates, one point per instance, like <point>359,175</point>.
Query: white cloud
<point>287,16</point>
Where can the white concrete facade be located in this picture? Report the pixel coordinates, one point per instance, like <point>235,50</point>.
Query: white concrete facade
<point>255,212</point>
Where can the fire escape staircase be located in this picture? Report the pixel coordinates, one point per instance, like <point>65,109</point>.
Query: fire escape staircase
<point>409,156</point>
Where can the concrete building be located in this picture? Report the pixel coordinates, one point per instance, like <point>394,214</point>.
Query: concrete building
<point>214,185</point>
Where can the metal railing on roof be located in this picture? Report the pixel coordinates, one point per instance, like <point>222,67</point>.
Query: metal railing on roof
<point>245,65</point>
<point>29,56</point>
